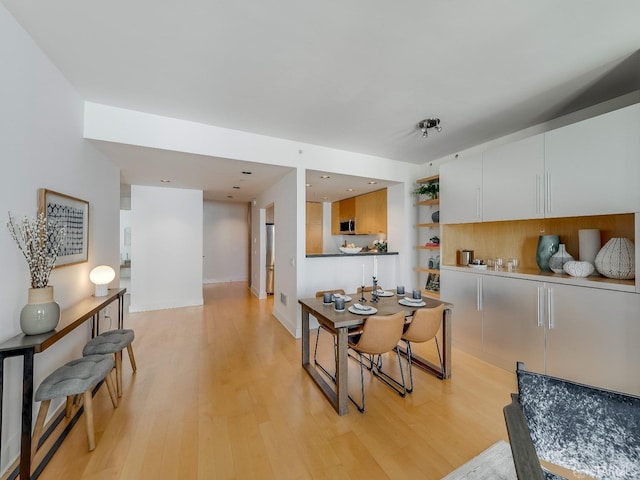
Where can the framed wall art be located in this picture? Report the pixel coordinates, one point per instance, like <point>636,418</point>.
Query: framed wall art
<point>73,214</point>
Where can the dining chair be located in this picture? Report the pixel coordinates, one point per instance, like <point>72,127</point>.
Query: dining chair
<point>379,334</point>
<point>423,327</point>
<point>321,327</point>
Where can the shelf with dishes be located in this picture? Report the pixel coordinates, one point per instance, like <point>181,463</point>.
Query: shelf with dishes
<point>428,247</point>
<point>428,225</point>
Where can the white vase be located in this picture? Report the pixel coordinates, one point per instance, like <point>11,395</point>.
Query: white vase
<point>558,259</point>
<point>41,314</point>
<point>617,259</point>
<point>589,244</point>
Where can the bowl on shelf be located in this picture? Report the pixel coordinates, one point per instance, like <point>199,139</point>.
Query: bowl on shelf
<point>350,249</point>
<point>578,269</point>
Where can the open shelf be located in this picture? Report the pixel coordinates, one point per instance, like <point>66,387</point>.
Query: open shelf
<point>428,247</point>
<point>432,201</point>
<point>428,225</point>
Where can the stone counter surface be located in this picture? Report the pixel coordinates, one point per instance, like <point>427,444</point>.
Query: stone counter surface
<point>340,254</point>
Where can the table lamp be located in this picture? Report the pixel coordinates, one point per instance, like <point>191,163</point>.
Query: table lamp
<point>102,276</point>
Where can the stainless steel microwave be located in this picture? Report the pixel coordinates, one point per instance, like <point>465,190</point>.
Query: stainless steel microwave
<point>348,226</point>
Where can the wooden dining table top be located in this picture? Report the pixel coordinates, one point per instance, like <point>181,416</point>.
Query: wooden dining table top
<point>384,306</point>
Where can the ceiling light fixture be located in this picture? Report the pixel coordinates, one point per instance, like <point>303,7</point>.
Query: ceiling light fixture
<point>427,123</point>
<point>162,180</point>
<point>324,177</point>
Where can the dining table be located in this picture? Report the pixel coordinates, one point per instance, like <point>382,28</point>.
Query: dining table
<point>339,323</point>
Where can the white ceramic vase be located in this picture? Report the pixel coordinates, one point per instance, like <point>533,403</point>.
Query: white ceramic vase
<point>41,314</point>
<point>558,259</point>
<point>617,259</point>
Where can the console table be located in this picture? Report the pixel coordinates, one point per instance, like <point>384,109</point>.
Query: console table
<point>28,345</point>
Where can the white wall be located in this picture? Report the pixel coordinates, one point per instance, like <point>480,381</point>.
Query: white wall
<point>226,242</point>
<point>166,248</point>
<point>42,146</point>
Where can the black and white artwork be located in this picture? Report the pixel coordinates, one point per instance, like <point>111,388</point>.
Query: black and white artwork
<point>72,214</point>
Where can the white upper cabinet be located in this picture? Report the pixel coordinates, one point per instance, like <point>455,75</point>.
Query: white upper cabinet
<point>593,167</point>
<point>513,180</point>
<point>587,168</point>
<point>461,190</point>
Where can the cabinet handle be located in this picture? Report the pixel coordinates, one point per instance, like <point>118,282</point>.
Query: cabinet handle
<point>479,294</point>
<point>550,307</point>
<point>539,309</point>
<point>548,191</point>
<point>538,195</point>
<point>478,202</point>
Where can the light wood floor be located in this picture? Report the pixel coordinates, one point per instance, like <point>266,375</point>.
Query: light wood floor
<point>220,394</point>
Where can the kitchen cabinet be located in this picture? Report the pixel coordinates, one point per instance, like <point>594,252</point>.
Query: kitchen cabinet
<point>513,180</point>
<point>584,334</point>
<point>335,218</point>
<point>313,238</point>
<point>592,167</point>
<point>371,212</point>
<point>461,190</point>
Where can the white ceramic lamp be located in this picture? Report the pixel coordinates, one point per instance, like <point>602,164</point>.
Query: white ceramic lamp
<point>102,276</point>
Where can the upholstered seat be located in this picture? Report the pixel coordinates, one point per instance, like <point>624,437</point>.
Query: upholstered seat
<point>423,327</point>
<point>113,342</point>
<point>74,378</point>
<point>585,429</point>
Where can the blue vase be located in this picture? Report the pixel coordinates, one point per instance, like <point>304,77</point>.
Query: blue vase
<point>547,246</point>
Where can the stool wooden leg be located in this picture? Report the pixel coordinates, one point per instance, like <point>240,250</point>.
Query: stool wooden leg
<point>112,390</point>
<point>118,356</point>
<point>132,359</point>
<point>88,412</point>
<point>37,432</point>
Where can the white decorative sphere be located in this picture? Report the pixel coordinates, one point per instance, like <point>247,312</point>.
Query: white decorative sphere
<point>578,269</point>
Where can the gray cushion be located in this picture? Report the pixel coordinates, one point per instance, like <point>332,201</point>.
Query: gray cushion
<point>587,429</point>
<point>109,342</point>
<point>75,377</point>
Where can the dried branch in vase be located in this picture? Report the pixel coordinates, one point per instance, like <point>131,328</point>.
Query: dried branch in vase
<point>40,244</point>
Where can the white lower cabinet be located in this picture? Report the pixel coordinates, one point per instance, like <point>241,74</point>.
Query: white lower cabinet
<point>593,337</point>
<point>584,334</point>
<point>513,330</point>
<point>464,291</point>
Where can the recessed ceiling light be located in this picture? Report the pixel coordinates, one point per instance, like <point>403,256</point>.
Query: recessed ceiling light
<point>236,187</point>
<point>164,180</point>
<point>246,172</point>
<point>229,196</point>
<point>307,184</point>
<point>325,198</point>
<point>373,183</point>
<point>324,177</point>
<point>349,189</point>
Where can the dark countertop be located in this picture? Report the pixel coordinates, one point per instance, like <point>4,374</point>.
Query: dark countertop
<point>360,254</point>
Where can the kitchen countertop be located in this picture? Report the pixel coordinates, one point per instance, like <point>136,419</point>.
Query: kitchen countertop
<point>340,254</point>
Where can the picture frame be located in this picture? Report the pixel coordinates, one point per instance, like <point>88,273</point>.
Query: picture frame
<point>73,214</point>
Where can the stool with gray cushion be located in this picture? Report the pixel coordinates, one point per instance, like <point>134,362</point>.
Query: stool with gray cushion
<point>113,341</point>
<point>74,378</point>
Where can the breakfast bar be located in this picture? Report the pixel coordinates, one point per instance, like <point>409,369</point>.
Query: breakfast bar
<point>339,322</point>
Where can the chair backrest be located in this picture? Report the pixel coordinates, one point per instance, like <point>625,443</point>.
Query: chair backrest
<point>322,292</point>
<point>380,333</point>
<point>425,324</point>
<point>589,430</point>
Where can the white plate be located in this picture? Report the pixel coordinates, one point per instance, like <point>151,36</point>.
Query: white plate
<point>384,293</point>
<point>347,298</point>
<point>411,304</point>
<point>357,311</point>
<point>479,267</point>
<point>412,300</point>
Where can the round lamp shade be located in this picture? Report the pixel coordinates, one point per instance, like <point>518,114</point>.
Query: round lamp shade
<point>102,276</point>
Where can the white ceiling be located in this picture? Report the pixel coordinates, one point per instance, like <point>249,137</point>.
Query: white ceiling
<point>355,75</point>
